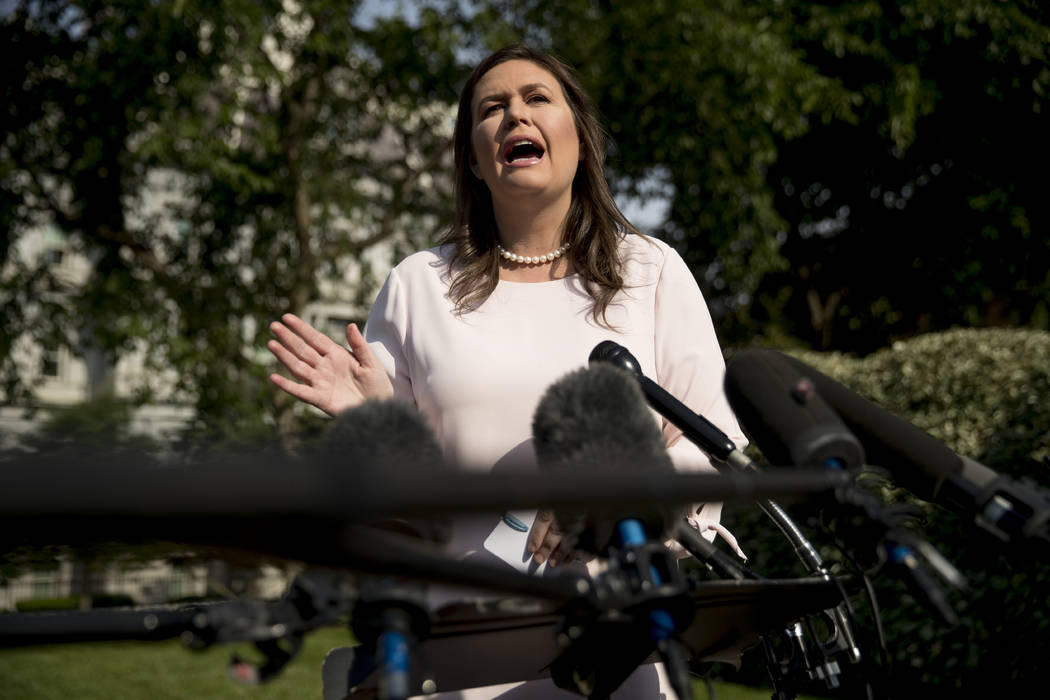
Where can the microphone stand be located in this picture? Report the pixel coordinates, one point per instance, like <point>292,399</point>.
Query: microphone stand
<point>275,627</point>
<point>662,628</point>
<point>786,661</point>
<point>799,658</point>
<point>316,519</point>
<point>389,619</point>
<point>640,603</point>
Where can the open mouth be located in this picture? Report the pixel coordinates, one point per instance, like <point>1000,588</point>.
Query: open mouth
<point>523,151</point>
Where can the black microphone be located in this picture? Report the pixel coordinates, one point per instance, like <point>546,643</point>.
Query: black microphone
<point>388,437</point>
<point>1011,511</point>
<point>382,434</point>
<point>708,437</point>
<point>783,410</point>
<point>594,420</point>
<point>695,427</point>
<point>391,615</point>
<point>786,416</point>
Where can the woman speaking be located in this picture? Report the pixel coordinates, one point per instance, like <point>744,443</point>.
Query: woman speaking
<point>538,267</point>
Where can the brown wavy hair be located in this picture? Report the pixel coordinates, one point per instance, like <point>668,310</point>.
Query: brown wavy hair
<point>594,225</point>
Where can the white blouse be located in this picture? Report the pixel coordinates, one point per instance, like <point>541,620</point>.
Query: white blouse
<point>478,377</point>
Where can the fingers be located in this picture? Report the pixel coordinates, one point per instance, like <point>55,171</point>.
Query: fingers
<point>551,549</point>
<point>302,339</point>
<point>544,519</point>
<point>544,538</point>
<point>560,555</point>
<point>302,392</point>
<point>359,347</point>
<point>292,363</point>
<point>292,344</point>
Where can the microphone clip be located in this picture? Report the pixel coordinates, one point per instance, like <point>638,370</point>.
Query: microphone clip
<point>899,549</point>
<point>642,597</point>
<point>1014,511</point>
<point>390,619</point>
<point>276,628</point>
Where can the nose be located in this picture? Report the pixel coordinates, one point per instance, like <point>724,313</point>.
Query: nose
<point>516,113</point>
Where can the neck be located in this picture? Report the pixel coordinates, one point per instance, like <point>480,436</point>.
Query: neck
<point>528,227</point>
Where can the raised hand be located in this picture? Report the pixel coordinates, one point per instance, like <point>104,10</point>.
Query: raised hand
<point>329,376</point>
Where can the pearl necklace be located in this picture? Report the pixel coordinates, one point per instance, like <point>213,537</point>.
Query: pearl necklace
<point>532,259</point>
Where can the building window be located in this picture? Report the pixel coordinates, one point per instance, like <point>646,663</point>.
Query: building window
<point>53,257</point>
<point>49,363</point>
<point>175,587</point>
<point>44,588</point>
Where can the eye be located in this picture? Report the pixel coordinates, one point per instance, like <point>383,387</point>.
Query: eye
<point>538,98</point>
<point>491,108</point>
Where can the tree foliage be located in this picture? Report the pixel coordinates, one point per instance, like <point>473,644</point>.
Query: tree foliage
<point>216,163</point>
<point>926,217</point>
<point>839,174</point>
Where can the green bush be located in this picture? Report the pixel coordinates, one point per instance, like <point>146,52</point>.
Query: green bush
<point>73,602</point>
<point>111,600</point>
<point>69,602</point>
<point>986,395</point>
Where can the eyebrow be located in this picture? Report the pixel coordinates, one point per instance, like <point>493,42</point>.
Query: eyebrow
<point>502,95</point>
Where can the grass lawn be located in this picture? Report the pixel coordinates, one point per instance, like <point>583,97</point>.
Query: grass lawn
<point>168,671</point>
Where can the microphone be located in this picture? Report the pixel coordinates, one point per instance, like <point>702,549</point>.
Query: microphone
<point>709,438</point>
<point>717,445</point>
<point>594,420</point>
<point>1011,511</point>
<point>695,427</point>
<point>381,434</point>
<point>787,417</point>
<point>388,437</point>
<point>391,615</point>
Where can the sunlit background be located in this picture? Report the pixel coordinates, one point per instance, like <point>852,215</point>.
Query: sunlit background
<point>861,183</point>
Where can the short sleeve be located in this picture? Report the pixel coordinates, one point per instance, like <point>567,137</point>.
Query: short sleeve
<point>387,331</point>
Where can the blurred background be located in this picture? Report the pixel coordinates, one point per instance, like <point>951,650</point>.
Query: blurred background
<point>863,184</point>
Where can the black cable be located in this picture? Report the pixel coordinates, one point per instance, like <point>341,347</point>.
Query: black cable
<point>880,636</point>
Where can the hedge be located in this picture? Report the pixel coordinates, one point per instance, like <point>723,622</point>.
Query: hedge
<point>69,602</point>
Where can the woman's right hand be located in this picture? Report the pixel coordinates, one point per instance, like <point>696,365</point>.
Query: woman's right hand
<point>330,377</point>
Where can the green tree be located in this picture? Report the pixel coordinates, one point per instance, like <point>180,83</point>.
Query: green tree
<point>217,163</point>
<point>696,95</point>
<point>922,216</point>
<point>817,156</point>
<point>82,77</point>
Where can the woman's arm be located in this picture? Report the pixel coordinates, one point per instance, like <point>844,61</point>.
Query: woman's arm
<point>690,366</point>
